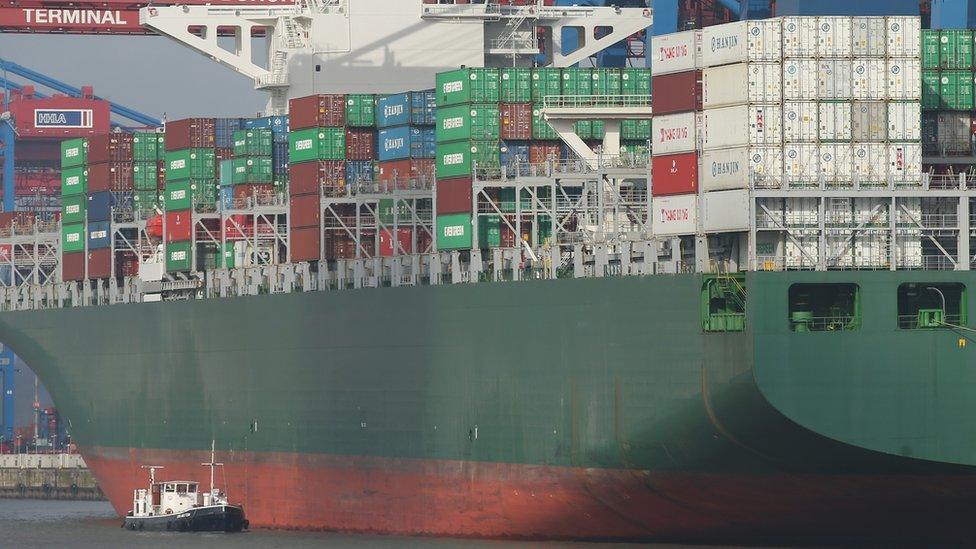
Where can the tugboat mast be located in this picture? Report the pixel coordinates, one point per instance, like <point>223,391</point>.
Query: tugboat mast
<point>152,474</point>
<point>212,464</point>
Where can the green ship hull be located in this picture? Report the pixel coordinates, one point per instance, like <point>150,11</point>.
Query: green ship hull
<point>595,408</point>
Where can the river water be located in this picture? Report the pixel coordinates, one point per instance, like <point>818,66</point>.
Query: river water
<point>36,523</point>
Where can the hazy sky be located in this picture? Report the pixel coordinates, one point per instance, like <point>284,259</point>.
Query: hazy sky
<point>150,74</point>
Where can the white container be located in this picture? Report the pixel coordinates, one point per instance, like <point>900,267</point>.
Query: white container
<point>872,211</point>
<point>800,36</point>
<point>904,36</point>
<point>758,40</point>
<point>904,121</point>
<point>801,212</point>
<point>834,79</point>
<point>674,133</point>
<point>869,78</point>
<point>834,36</point>
<point>674,215</point>
<point>725,211</point>
<point>870,164</point>
<point>905,164</point>
<point>740,126</point>
<point>676,52</point>
<point>741,168</point>
<point>800,79</point>
<point>834,121</point>
<point>836,164</point>
<point>869,39</point>
<point>868,121</point>
<point>801,164</point>
<point>742,83</point>
<point>800,121</point>
<point>954,131</point>
<point>904,79</point>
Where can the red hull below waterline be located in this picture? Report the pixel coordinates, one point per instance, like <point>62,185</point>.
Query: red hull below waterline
<point>499,500</point>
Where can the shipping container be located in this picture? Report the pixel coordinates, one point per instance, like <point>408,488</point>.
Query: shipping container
<point>360,144</point>
<point>467,122</point>
<point>453,196</point>
<point>869,78</point>
<point>190,133</point>
<point>868,37</point>
<point>253,142</point>
<point>317,111</point>
<point>547,82</point>
<point>361,110</point>
<point>99,235</point>
<point>905,80</point>
<point>74,152</point>
<point>540,151</point>
<point>755,40</point>
<point>904,36</point>
<point>73,265</point>
<point>73,237</point>
<point>408,173</point>
<point>635,130</point>
<point>834,36</point>
<point>304,210</point>
<point>515,120</point>
<point>111,147</point>
<point>100,264</point>
<point>540,127</point>
<point>394,212</point>
<point>476,85</point>
<point>360,171</point>
<point>741,168</point>
<point>725,211</point>
<point>224,129</point>
<point>633,81</point>
<point>99,206</point>
<point>190,164</point>
<point>677,92</point>
<point>459,159</point>
<point>418,108</point>
<point>868,121</point>
<point>836,164</point>
<point>578,81</point>
<point>674,174</point>
<point>834,79</point>
<point>453,231</point>
<point>676,52</point>
<point>800,37</point>
<point>870,164</point>
<point>956,90</point>
<point>179,256</point>
<point>74,181</point>
<point>73,209</point>
<point>403,245</point>
<point>147,146</point>
<point>516,85</point>
<point>316,144</point>
<point>741,84</point>
<point>489,231</point>
<point>904,121</point>
<point>800,79</point>
<point>190,193</point>
<point>674,133</point>
<point>954,132</point>
<point>834,122</point>
<point>405,142</point>
<point>145,175</point>
<point>800,124</point>
<point>931,90</point>
<point>514,156</point>
<point>606,81</point>
<point>111,177</point>
<point>801,164</point>
<point>277,124</point>
<point>931,49</point>
<point>905,164</point>
<point>305,243</point>
<point>179,226</point>
<point>312,177</point>
<point>674,215</point>
<point>740,126</point>
<point>252,169</point>
<point>955,49</point>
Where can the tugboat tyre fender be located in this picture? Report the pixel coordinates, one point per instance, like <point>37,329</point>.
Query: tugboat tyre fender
<point>140,525</point>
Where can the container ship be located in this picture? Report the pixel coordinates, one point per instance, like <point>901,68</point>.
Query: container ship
<point>507,301</point>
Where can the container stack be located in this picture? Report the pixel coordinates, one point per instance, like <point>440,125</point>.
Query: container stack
<point>947,91</point>
<point>110,185</point>
<point>74,201</point>
<point>279,148</point>
<point>252,166</point>
<point>148,181</point>
<point>191,173</point>
<point>405,123</point>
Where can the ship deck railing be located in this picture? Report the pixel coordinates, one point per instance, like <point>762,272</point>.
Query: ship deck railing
<point>838,323</point>
<point>911,322</point>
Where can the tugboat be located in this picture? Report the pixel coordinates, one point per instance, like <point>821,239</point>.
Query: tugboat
<point>178,505</point>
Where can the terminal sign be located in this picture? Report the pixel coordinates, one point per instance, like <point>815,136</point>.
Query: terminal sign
<point>63,118</point>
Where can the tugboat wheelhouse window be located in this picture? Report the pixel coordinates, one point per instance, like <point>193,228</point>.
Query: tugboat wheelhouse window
<point>824,307</point>
<point>926,305</point>
<point>723,303</point>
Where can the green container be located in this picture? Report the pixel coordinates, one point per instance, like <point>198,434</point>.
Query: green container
<point>317,144</point>
<point>956,90</point>
<point>256,142</point>
<point>516,85</point>
<point>386,216</point>
<point>145,200</point>
<point>227,259</point>
<point>489,231</point>
<point>191,164</point>
<point>146,146</point>
<point>638,149</point>
<point>454,232</point>
<point>507,198</point>
<point>189,193</point>
<point>955,49</point>
<point>145,176</point>
<point>589,129</point>
<point>73,237</point>
<point>931,49</point>
<point>577,81</point>
<point>606,81</point>
<point>360,110</point>
<point>635,129</point>
<point>540,128</point>
<point>635,81</point>
<point>74,152</point>
<point>930,90</point>
<point>253,169</point>
<point>457,159</point>
<point>479,85</point>
<point>74,181</point>
<point>544,228</point>
<point>468,122</point>
<point>73,208</point>
<point>546,82</point>
<point>179,256</point>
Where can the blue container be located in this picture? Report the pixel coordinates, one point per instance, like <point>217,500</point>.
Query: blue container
<point>99,206</point>
<point>846,7</point>
<point>278,124</point>
<point>123,201</point>
<point>360,170</point>
<point>279,157</point>
<point>224,129</point>
<point>405,142</point>
<point>99,235</point>
<point>418,108</point>
<point>227,197</point>
<point>226,172</point>
<point>514,152</point>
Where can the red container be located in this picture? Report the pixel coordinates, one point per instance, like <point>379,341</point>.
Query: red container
<point>110,176</point>
<point>265,191</point>
<point>425,242</point>
<point>239,226</point>
<point>100,264</point>
<point>190,133</point>
<point>179,226</point>
<point>126,265</point>
<point>507,236</point>
<point>453,195</point>
<point>360,144</point>
<point>311,177</point>
<point>305,211</point>
<point>404,174</point>
<point>18,218</point>
<point>404,237</point>
<point>515,120</point>
<point>678,92</point>
<point>339,245</point>
<point>110,147</point>
<point>305,244</point>
<point>317,111</point>
<point>73,266</point>
<point>544,151</point>
<point>674,174</point>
